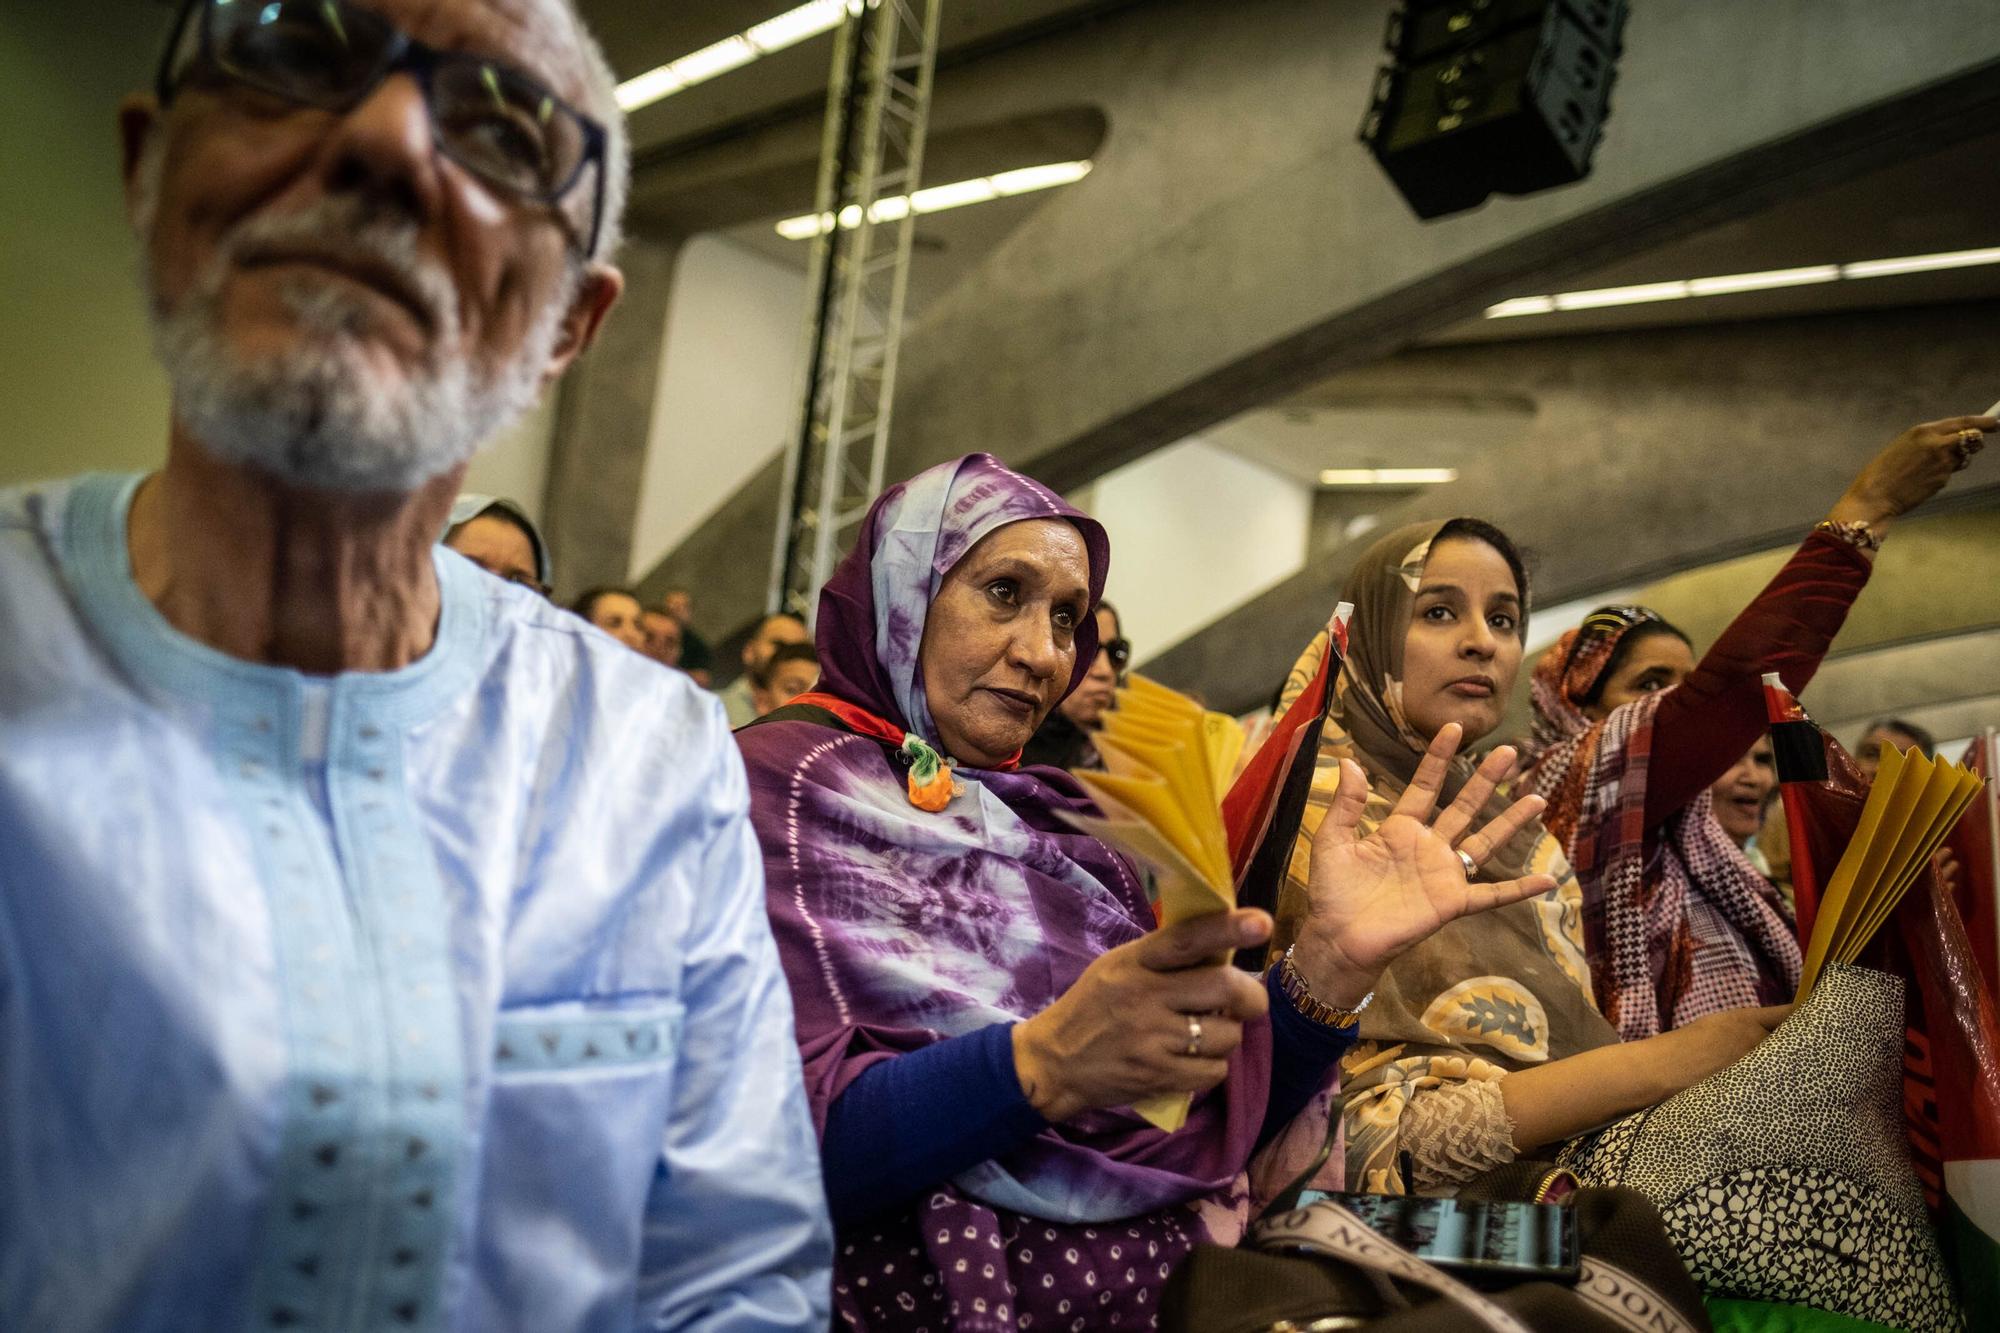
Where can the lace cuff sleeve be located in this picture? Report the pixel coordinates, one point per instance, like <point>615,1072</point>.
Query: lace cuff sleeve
<point>1454,1132</point>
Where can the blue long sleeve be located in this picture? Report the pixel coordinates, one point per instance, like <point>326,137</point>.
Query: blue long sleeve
<point>925,1116</point>
<point>1301,1053</point>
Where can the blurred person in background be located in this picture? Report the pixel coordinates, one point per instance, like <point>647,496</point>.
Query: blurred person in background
<point>378,948</point>
<point>1895,733</point>
<point>1898,734</point>
<point>662,634</point>
<point>1741,795</point>
<point>696,657</point>
<point>739,697</point>
<point>497,535</point>
<point>616,611</point>
<point>791,671</point>
<point>1067,738</point>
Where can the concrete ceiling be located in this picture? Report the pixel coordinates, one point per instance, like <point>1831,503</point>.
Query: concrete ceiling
<point>1360,429</point>
<point>1935,202</point>
<point>1942,201</point>
<point>638,35</point>
<point>946,244</point>
<point>1946,200</point>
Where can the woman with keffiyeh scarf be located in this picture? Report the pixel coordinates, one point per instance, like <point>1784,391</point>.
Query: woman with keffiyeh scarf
<point>1630,734</point>
<point>979,994</point>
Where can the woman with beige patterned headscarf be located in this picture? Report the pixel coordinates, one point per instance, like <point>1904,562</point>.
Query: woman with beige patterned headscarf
<point>1484,1041</point>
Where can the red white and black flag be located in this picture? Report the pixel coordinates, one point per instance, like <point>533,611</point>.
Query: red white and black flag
<point>1266,804</point>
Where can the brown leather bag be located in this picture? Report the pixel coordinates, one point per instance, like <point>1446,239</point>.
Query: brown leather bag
<point>1318,1269</point>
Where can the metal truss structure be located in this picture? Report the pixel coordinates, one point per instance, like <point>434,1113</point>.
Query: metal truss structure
<point>871,162</point>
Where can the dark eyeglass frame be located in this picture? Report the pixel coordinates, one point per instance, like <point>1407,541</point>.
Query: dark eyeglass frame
<point>1120,650</point>
<point>403,52</point>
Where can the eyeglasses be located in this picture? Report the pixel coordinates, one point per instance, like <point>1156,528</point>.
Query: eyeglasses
<point>1120,650</point>
<point>494,121</point>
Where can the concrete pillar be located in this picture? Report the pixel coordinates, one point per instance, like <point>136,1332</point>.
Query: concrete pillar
<point>604,417</point>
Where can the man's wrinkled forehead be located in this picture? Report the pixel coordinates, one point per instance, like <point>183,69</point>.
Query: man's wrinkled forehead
<point>539,37</point>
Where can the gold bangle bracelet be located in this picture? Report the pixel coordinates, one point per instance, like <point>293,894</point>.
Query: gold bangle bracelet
<point>1312,1007</point>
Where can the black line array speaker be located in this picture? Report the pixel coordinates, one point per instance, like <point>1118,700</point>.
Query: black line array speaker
<point>1487,96</point>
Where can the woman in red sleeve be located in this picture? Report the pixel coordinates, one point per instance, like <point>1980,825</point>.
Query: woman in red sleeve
<point>1630,733</point>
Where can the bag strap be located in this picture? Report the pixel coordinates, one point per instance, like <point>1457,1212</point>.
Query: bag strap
<point>1626,1301</point>
<point>1327,1228</point>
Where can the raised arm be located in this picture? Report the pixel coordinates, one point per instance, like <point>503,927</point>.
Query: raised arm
<point>1715,715</point>
<point>1707,722</point>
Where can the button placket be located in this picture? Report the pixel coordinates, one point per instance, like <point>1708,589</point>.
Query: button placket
<point>301,1229</point>
<point>410,945</point>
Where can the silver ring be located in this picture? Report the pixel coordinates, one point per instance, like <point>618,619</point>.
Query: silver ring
<point>1193,1048</point>
<point>1471,866</point>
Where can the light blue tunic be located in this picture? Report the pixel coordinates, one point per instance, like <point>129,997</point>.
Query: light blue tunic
<point>433,999</point>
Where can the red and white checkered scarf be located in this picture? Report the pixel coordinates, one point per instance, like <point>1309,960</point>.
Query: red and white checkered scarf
<point>1691,931</point>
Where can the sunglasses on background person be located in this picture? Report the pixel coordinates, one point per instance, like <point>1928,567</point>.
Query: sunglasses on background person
<point>1120,650</point>
<point>496,122</point>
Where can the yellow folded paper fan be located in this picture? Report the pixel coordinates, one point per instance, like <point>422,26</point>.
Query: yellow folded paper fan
<point>1910,810</point>
<point>1168,764</point>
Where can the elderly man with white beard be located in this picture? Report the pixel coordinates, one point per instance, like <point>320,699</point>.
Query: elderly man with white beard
<point>361,966</point>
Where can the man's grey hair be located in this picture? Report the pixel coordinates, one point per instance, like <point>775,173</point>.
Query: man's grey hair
<point>600,103</point>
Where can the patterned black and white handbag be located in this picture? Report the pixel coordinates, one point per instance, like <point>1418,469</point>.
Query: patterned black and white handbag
<point>1786,1177</point>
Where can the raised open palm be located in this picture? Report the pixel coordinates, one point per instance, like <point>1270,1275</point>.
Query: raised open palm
<point>1373,898</point>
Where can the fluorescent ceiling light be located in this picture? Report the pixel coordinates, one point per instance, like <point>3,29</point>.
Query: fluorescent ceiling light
<point>958,194</point>
<point>1025,179</point>
<point>1883,268</point>
<point>804,228</point>
<point>760,40</point>
<point>1387,476</point>
<point>1637,295</point>
<point>647,88</point>
<point>937,198</point>
<point>1680,289</point>
<point>705,64</point>
<point>1757,282</point>
<point>796,25</point>
<point>1521,305</point>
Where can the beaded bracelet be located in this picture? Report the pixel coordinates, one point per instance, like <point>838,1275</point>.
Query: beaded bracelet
<point>1855,533</point>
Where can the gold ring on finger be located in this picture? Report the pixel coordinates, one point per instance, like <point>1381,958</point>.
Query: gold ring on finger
<point>1193,1048</point>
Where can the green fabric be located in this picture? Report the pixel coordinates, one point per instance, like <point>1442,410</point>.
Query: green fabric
<point>1765,1317</point>
<point>1975,1260</point>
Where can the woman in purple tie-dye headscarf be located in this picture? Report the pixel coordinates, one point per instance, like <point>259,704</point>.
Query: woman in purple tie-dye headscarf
<point>978,997</point>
